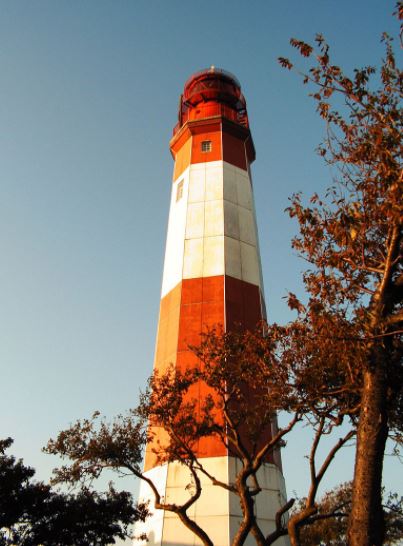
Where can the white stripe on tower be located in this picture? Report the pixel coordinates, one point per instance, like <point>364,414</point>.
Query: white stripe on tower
<point>218,229</point>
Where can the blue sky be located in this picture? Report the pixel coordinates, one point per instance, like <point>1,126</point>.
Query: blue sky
<point>88,99</point>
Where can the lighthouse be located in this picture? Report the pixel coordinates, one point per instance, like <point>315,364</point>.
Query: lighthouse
<point>212,277</point>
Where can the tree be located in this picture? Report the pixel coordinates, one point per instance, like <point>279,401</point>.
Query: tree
<point>353,240</point>
<point>249,376</point>
<point>330,523</point>
<point>31,513</point>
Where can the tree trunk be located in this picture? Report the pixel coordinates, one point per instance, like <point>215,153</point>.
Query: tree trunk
<point>247,505</point>
<point>366,526</point>
<point>366,521</point>
<point>196,529</point>
<point>293,533</point>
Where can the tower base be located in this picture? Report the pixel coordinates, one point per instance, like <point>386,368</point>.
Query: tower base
<point>217,511</point>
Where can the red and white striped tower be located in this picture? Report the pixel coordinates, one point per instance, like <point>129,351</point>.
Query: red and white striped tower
<point>212,276</point>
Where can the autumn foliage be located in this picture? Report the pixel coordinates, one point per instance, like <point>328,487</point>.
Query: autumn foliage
<point>251,376</point>
<point>353,240</point>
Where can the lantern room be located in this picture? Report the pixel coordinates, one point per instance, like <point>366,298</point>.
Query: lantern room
<point>209,93</point>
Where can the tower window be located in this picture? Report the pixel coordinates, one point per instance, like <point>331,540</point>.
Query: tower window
<point>206,146</point>
<point>179,190</point>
